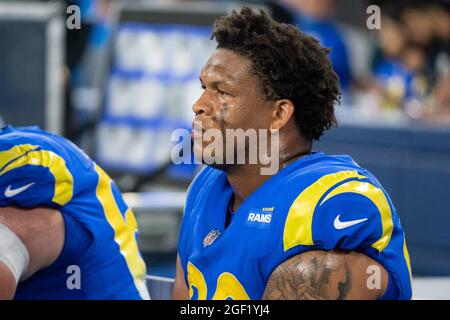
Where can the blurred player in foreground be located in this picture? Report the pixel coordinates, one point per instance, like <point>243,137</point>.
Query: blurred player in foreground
<point>322,227</point>
<point>65,231</point>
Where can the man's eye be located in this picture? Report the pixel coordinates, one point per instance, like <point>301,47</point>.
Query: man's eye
<point>221,92</point>
<point>203,87</point>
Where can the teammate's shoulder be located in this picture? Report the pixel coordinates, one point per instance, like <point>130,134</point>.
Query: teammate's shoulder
<point>10,131</point>
<point>37,167</point>
<point>27,138</point>
<point>20,140</point>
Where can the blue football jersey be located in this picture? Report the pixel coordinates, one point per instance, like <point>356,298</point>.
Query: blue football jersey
<point>318,202</point>
<point>40,169</point>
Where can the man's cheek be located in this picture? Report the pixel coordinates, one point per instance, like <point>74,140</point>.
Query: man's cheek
<point>224,110</point>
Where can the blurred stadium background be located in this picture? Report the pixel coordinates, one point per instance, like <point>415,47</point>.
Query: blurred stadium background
<point>122,83</point>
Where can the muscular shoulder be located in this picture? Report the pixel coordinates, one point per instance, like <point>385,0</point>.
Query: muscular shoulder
<point>39,169</point>
<point>323,275</point>
<point>344,210</point>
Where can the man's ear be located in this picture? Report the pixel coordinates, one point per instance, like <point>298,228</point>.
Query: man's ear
<point>283,111</point>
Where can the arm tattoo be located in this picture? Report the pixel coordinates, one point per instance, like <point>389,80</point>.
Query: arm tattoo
<point>314,275</point>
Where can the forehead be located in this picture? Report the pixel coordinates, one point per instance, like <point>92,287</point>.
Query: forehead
<point>226,65</point>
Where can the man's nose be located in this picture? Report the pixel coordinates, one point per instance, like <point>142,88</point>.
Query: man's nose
<point>202,105</point>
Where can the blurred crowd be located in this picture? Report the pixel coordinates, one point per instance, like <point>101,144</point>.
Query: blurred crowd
<point>411,64</point>
<point>408,62</point>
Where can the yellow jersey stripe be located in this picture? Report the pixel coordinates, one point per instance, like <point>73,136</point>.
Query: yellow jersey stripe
<point>15,152</point>
<point>63,191</point>
<point>298,225</point>
<point>407,260</point>
<point>124,231</point>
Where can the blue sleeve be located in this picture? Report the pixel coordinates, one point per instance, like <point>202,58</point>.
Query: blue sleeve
<point>77,240</point>
<point>359,216</point>
<point>353,216</point>
<point>31,176</point>
<point>348,221</point>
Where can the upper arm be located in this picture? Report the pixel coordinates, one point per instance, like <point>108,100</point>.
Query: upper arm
<point>349,217</point>
<point>42,232</point>
<point>180,290</point>
<point>326,275</point>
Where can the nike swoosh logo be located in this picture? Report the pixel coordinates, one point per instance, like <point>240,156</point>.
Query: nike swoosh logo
<point>338,224</point>
<point>9,193</point>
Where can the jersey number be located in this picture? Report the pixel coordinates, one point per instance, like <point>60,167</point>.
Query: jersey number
<point>228,286</point>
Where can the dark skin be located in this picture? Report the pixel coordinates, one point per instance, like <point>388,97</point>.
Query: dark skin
<point>324,275</point>
<point>233,98</point>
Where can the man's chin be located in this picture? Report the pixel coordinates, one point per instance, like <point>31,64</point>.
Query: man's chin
<point>217,164</point>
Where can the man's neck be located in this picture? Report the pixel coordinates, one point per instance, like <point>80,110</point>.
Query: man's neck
<point>246,179</point>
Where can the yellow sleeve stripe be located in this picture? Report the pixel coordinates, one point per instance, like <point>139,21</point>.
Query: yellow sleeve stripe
<point>298,226</point>
<point>377,196</point>
<point>124,231</point>
<point>63,191</point>
<point>408,261</point>
<point>15,152</point>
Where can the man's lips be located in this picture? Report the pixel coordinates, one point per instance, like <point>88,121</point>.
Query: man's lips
<point>197,130</point>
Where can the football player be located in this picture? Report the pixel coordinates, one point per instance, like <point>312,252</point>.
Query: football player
<point>65,231</point>
<point>322,227</point>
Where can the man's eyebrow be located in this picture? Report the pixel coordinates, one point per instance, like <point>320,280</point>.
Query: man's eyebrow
<point>215,83</point>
